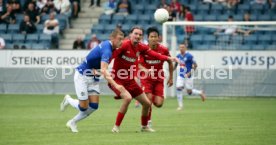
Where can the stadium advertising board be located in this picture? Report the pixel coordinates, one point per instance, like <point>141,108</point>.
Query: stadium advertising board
<point>205,59</point>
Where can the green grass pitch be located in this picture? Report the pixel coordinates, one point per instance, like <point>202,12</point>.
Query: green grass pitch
<point>36,120</point>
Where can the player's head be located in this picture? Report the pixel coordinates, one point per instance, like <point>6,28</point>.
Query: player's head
<point>136,34</point>
<point>153,35</point>
<point>182,48</point>
<point>116,38</point>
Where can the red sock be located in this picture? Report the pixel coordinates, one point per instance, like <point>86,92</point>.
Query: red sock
<point>119,119</point>
<point>144,120</point>
<point>149,116</point>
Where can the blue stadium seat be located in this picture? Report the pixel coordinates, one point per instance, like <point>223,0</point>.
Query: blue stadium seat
<point>203,9</point>
<point>193,9</point>
<point>126,27</point>
<point>258,47</point>
<point>25,45</point>
<point>180,38</point>
<point>62,20</point>
<point>202,47</point>
<point>223,39</point>
<point>131,19</point>
<point>43,18</point>
<point>32,38</point>
<point>264,17</point>
<point>18,38</point>
<point>265,39</point>
<point>144,19</point>
<point>251,39</point>
<point>210,18</point>
<point>99,29</point>
<point>19,18</point>
<point>238,17</point>
<point>109,28</point>
<point>245,47</point>
<point>7,37</point>
<point>271,47</point>
<point>253,17</point>
<point>105,19</point>
<point>118,19</point>
<point>223,17</point>
<point>196,39</point>
<point>13,28</point>
<point>209,39</point>
<point>45,39</point>
<point>103,37</point>
<point>3,28</point>
<point>244,8</point>
<point>198,18</point>
<point>138,9</point>
<point>39,28</point>
<point>216,9</point>
<point>9,46</point>
<point>257,8</point>
<point>39,46</point>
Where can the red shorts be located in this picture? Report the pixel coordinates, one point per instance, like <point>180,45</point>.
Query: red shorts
<point>130,85</point>
<point>156,88</point>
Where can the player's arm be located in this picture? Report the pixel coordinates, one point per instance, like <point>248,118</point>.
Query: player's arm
<point>146,50</point>
<point>171,69</point>
<point>175,65</point>
<point>194,66</point>
<point>140,64</point>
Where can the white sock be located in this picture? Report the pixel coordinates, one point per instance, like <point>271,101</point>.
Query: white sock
<point>179,95</point>
<point>73,102</point>
<point>196,92</point>
<point>83,114</point>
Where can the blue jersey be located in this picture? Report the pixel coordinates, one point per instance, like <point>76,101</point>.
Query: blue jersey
<point>186,63</point>
<point>101,53</point>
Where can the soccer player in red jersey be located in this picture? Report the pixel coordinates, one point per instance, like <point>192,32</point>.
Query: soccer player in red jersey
<point>123,73</point>
<point>152,75</point>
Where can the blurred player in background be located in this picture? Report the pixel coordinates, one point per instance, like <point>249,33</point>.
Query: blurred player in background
<point>86,80</point>
<point>125,61</point>
<point>152,75</point>
<point>185,78</point>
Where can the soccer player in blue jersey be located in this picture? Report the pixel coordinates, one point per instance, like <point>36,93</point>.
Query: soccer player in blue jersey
<point>185,79</point>
<point>86,79</point>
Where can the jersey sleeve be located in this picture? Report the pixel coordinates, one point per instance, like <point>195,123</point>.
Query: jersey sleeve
<point>192,59</point>
<point>145,50</point>
<point>117,52</point>
<point>106,55</point>
<point>167,52</point>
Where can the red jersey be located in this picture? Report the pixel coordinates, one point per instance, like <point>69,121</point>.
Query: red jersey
<point>151,62</point>
<point>126,58</point>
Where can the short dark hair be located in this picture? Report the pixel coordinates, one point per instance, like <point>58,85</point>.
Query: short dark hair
<point>152,29</point>
<point>136,27</point>
<point>230,17</point>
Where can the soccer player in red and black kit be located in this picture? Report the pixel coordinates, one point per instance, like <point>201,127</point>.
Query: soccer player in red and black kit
<point>123,72</point>
<point>152,75</point>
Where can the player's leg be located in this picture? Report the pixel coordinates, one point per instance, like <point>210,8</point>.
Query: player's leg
<point>189,84</point>
<point>179,92</point>
<point>126,99</point>
<point>142,98</point>
<point>82,84</point>
<point>147,86</point>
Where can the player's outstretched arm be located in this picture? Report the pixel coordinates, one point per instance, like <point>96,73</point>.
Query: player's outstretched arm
<point>108,77</point>
<point>170,80</point>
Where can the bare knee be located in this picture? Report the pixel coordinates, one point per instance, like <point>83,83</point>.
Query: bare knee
<point>158,105</point>
<point>189,92</point>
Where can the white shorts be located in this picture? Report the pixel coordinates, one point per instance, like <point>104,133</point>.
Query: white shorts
<point>86,85</point>
<point>187,83</point>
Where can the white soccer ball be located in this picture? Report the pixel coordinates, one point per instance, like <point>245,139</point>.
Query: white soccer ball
<point>161,15</point>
